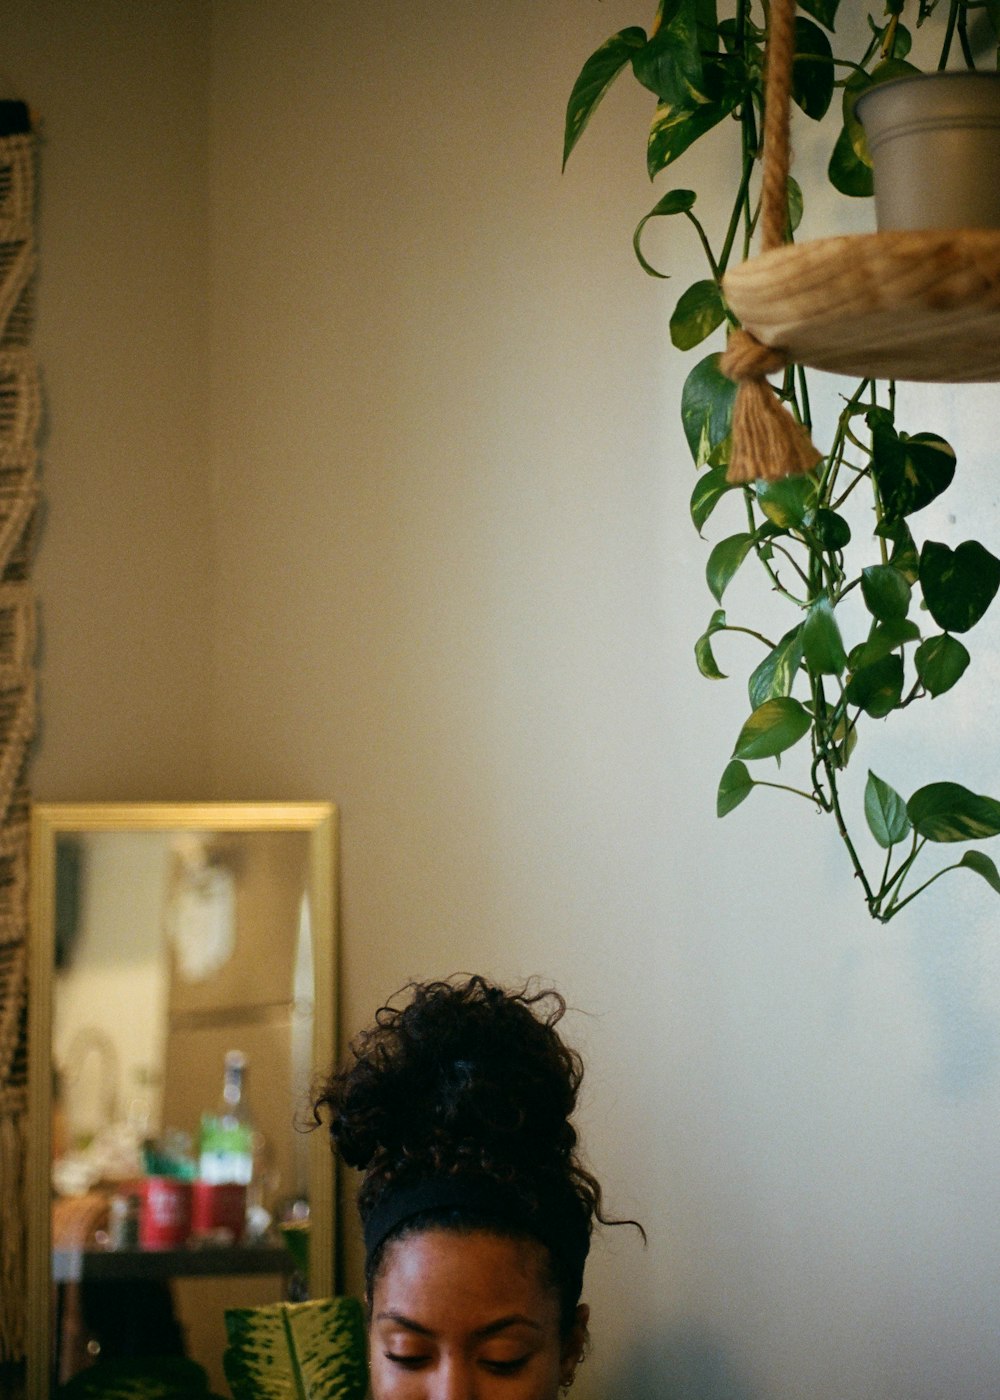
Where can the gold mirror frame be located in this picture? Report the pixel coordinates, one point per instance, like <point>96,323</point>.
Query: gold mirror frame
<point>319,821</point>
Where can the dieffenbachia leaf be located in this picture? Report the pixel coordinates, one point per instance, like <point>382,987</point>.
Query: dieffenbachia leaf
<point>297,1351</point>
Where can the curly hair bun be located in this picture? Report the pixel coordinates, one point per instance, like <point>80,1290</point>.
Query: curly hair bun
<point>463,1077</point>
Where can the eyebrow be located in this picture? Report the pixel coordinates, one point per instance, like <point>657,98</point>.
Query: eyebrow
<point>490,1330</point>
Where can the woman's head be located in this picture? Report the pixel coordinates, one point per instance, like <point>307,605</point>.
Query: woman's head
<point>456,1105</point>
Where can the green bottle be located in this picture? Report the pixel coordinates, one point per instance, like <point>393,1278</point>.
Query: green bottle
<point>226,1146</point>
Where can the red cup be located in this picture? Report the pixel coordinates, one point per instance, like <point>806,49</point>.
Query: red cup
<point>165,1213</point>
<point>219,1209</point>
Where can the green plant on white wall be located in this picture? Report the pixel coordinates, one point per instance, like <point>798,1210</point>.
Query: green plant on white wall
<point>875,615</point>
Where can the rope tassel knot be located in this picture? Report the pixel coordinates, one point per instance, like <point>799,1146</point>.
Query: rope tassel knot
<point>768,441</point>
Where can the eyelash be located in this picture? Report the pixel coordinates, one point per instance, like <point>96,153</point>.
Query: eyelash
<point>498,1368</point>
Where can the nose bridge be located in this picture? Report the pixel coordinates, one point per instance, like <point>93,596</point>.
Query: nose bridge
<point>456,1378</point>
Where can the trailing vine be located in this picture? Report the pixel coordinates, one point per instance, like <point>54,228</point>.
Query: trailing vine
<point>869,634</point>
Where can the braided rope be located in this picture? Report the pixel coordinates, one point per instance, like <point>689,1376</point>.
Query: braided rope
<point>768,443</point>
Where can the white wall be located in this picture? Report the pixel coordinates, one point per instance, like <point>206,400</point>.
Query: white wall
<point>455,590</point>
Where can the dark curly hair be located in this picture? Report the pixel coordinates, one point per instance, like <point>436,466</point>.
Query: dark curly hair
<point>470,1083</point>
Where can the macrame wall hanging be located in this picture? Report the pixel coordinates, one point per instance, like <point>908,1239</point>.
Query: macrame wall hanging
<point>19,420</point>
<point>903,304</point>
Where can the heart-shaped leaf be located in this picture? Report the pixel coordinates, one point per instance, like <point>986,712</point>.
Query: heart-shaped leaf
<point>709,490</point>
<point>669,65</point>
<point>982,865</point>
<point>822,645</point>
<point>735,785</point>
<point>812,69</point>
<point>847,173</point>
<point>675,127</point>
<point>673,202</point>
<point>950,812</point>
<point>698,313</point>
<point>724,560</point>
<point>830,530</point>
<point>885,591</point>
<point>703,647</point>
<point>958,584</point>
<point>877,688</point>
<point>940,662</point>
<point>823,10</point>
<point>772,728</point>
<point>788,501</point>
<point>706,408</point>
<point>596,76</point>
<point>885,638</point>
<point>910,472</point>
<point>775,675</point>
<point>885,811</point>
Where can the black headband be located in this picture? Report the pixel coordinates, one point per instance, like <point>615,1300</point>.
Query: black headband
<point>558,1229</point>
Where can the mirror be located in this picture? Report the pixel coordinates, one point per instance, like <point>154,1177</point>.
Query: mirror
<point>182,1002</point>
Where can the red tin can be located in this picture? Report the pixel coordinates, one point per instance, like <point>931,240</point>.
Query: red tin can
<point>165,1214</point>
<point>219,1209</point>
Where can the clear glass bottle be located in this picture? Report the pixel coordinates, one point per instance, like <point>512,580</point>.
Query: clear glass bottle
<point>227,1137</point>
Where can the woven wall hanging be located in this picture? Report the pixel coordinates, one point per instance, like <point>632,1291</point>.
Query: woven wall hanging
<point>19,420</point>
<point>908,304</point>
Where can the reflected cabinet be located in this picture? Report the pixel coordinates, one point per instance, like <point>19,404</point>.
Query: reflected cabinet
<point>182,1005</point>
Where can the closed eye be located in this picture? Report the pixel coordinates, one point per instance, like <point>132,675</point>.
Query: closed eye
<point>505,1368</point>
<point>409,1363</point>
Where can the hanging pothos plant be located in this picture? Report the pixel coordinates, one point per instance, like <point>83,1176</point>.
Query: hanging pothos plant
<point>858,645</point>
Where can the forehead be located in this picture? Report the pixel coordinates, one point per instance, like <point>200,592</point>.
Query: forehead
<point>441,1277</point>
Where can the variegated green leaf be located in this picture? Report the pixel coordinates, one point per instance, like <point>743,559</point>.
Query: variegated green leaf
<point>772,728</point>
<point>596,76</point>
<point>950,812</point>
<point>297,1351</point>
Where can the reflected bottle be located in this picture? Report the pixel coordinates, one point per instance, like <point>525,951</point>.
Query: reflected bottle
<point>227,1136</point>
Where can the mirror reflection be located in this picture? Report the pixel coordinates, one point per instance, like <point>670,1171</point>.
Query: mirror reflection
<point>189,957</point>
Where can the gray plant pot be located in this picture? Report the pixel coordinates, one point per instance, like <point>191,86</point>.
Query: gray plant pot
<point>935,145</point>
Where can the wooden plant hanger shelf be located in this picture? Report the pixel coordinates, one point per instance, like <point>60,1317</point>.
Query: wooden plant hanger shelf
<point>920,305</point>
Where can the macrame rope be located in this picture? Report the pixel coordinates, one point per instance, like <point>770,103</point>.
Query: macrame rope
<point>767,441</point>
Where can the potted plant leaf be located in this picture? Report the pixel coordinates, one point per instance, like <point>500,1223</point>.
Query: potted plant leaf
<point>297,1351</point>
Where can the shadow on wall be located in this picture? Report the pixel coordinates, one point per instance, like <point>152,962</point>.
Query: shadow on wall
<point>683,1363</point>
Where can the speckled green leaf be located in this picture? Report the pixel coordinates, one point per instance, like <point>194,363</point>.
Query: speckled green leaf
<point>706,408</point>
<point>812,70</point>
<point>673,202</point>
<point>776,674</point>
<point>703,647</point>
<point>950,812</point>
<point>885,812</point>
<point>910,472</point>
<point>958,584</point>
<point>699,311</point>
<point>788,501</point>
<point>846,172</point>
<point>724,560</point>
<point>297,1351</point>
<point>735,786</point>
<point>669,65</point>
<point>596,76</point>
<point>708,491</point>
<point>940,663</point>
<point>772,728</point>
